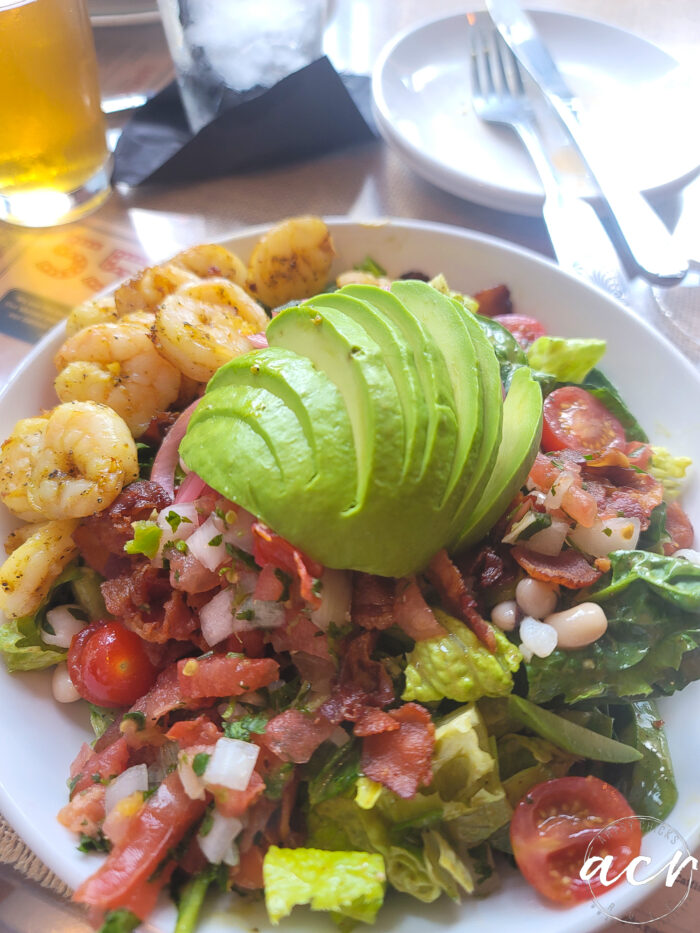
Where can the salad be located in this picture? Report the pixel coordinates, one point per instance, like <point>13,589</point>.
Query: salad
<point>360,595</point>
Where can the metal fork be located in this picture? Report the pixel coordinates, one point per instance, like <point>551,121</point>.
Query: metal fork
<point>499,96</point>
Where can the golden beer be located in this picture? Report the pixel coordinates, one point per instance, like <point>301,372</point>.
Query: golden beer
<point>54,164</point>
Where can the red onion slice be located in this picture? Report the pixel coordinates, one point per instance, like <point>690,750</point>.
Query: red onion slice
<point>259,341</point>
<point>163,470</point>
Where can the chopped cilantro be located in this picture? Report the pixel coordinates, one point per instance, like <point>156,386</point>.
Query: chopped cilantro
<point>317,586</point>
<point>175,520</point>
<point>136,717</point>
<point>216,541</point>
<point>98,843</point>
<point>146,539</point>
<point>245,614</point>
<point>242,728</point>
<point>247,559</point>
<point>200,762</point>
<point>286,582</point>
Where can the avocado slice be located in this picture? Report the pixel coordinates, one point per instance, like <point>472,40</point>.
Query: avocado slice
<point>343,350</point>
<point>522,429</point>
<point>440,316</point>
<point>434,381</point>
<point>318,407</point>
<point>397,358</point>
<point>492,412</point>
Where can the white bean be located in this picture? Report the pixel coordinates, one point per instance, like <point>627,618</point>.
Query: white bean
<point>579,626</point>
<point>505,615</point>
<point>535,598</point>
<point>62,685</point>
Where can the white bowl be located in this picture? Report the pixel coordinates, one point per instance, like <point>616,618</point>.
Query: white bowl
<point>39,738</point>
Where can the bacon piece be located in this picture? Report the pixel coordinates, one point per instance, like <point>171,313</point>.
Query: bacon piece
<point>144,602</point>
<point>85,812</point>
<point>679,528</point>
<point>295,736</point>
<point>158,427</point>
<point>626,492</point>
<point>373,721</point>
<point>101,537</point>
<point>373,601</point>
<point>222,676</point>
<point>568,568</point>
<point>400,760</point>
<point>270,548</point>
<point>101,765</point>
<point>236,802</point>
<point>188,575</point>
<point>452,589</point>
<point>319,672</point>
<point>199,731</point>
<point>361,682</point>
<point>413,614</point>
<point>493,301</point>
<point>300,634</point>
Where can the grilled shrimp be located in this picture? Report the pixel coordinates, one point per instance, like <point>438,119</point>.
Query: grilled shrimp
<point>93,311</point>
<point>203,326</point>
<point>67,463</point>
<point>28,573</point>
<point>211,260</point>
<point>292,261</point>
<point>118,365</point>
<point>146,290</point>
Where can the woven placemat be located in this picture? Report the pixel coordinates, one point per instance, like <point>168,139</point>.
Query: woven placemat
<point>19,856</point>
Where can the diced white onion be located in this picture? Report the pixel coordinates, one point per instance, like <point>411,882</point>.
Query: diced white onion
<point>538,637</point>
<point>216,618</point>
<point>232,857</point>
<point>336,593</point>
<point>189,520</point>
<point>192,784</point>
<point>65,626</point>
<point>239,533</point>
<point>606,535</point>
<point>558,491</point>
<point>62,686</point>
<point>128,782</point>
<point>200,546</point>
<point>265,614</point>
<point>231,764</point>
<point>550,540</point>
<point>217,844</point>
<point>688,554</point>
<point>519,527</point>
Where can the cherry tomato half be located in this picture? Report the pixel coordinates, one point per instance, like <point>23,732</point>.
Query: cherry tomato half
<point>554,824</point>
<point>525,329</point>
<point>575,419</point>
<point>109,666</point>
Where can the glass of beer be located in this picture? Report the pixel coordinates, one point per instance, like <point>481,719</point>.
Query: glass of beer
<point>54,162</point>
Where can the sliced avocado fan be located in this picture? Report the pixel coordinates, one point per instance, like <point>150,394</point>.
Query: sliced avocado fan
<point>369,432</point>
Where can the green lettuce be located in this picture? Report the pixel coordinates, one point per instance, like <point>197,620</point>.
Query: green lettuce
<point>669,470</point>
<point>23,648</point>
<point>651,645</point>
<point>351,884</point>
<point>567,359</point>
<point>457,666</point>
<point>439,283</point>
<point>426,840</point>
<point>526,760</point>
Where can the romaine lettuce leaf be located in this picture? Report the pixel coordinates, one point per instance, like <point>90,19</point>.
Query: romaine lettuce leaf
<point>349,883</point>
<point>669,471</point>
<point>458,667</point>
<point>528,760</point>
<point>23,648</point>
<point>652,604</point>
<point>568,359</point>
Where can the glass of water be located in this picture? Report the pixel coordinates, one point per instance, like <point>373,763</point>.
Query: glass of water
<point>237,44</point>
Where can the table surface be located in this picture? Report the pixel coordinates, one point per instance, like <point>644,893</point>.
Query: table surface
<point>365,182</point>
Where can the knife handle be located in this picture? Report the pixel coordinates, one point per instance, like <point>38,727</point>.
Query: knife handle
<point>650,245</point>
<point>580,241</point>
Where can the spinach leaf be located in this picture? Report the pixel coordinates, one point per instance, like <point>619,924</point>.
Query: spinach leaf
<point>599,385</point>
<point>653,607</point>
<point>648,785</point>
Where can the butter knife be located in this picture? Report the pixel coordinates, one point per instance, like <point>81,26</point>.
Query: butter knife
<point>650,246</point>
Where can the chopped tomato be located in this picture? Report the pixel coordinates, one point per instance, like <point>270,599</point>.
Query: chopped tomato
<point>248,874</point>
<point>250,643</point>
<point>236,802</point>
<point>678,528</point>
<point>553,826</point>
<point>92,768</point>
<point>223,676</point>
<point>575,419</point>
<point>199,731</point>
<point>109,665</point>
<point>270,548</point>
<point>525,329</point>
<point>129,876</point>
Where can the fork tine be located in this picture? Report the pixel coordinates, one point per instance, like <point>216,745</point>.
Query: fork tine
<point>486,60</point>
<point>497,48</point>
<point>474,60</point>
<point>516,71</point>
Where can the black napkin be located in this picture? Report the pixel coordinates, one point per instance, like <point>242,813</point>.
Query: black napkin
<point>306,114</point>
